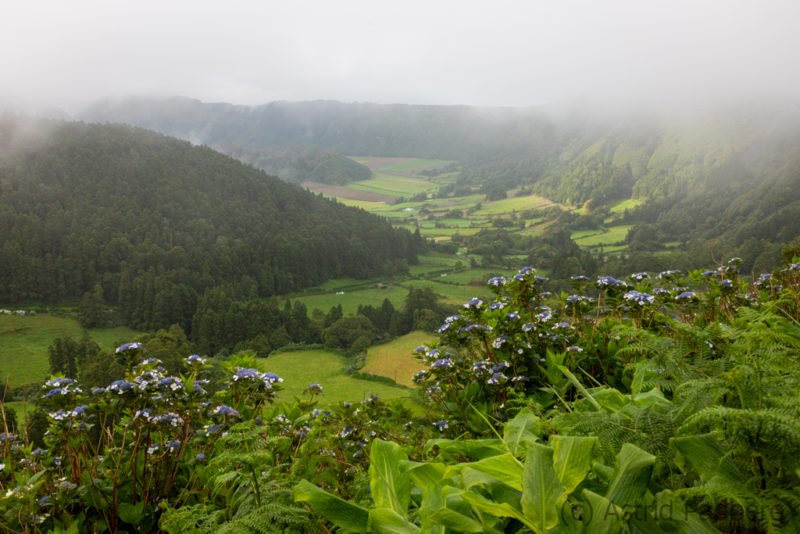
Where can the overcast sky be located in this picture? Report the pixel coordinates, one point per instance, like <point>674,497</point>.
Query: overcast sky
<point>521,53</point>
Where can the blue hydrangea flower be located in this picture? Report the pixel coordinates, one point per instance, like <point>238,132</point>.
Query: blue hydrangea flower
<point>246,374</point>
<point>120,386</point>
<point>148,361</point>
<point>272,378</point>
<point>440,425</point>
<point>668,274</point>
<point>226,411</point>
<point>686,295</point>
<point>640,276</point>
<point>200,457</point>
<point>53,392</point>
<point>639,298</point>
<point>59,382</point>
<point>511,316</point>
<point>496,379</point>
<point>421,348</point>
<point>127,347</point>
<point>496,281</point>
<point>195,359</point>
<point>314,388</point>
<point>442,364</point>
<point>499,305</point>
<point>498,342</point>
<point>474,302</point>
<point>579,278</point>
<point>609,281</point>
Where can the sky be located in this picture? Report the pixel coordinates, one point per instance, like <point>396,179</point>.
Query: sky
<point>498,53</point>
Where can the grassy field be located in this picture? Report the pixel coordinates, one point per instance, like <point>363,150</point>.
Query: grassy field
<point>397,186</point>
<point>24,342</point>
<point>615,234</point>
<point>508,205</point>
<point>350,299</point>
<point>299,369</point>
<point>451,293</point>
<point>412,165</point>
<point>626,205</point>
<point>395,359</point>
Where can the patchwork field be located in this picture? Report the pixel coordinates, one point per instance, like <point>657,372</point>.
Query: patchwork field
<point>299,369</point>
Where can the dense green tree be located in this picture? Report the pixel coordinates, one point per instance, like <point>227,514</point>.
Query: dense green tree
<point>350,332</point>
<point>92,309</point>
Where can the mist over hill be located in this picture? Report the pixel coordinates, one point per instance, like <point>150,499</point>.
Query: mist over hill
<point>153,222</point>
<point>726,178</point>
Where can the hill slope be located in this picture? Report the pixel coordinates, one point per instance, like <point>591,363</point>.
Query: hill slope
<point>727,177</point>
<point>156,221</point>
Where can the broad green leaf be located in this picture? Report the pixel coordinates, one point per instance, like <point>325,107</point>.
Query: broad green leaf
<point>432,500</point>
<point>472,448</point>
<point>521,431</point>
<point>384,520</point>
<point>456,521</point>
<point>496,509</point>
<point>601,516</point>
<point>707,456</point>
<point>542,492</point>
<point>631,475</point>
<point>572,459</point>
<point>131,513</point>
<point>390,486</point>
<point>340,512</point>
<point>423,474</point>
<point>505,468</point>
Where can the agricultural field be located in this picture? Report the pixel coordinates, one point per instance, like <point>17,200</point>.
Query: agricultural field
<point>594,238</point>
<point>404,166</point>
<point>24,342</point>
<point>392,185</point>
<point>350,299</point>
<point>626,205</point>
<point>395,359</point>
<point>299,369</point>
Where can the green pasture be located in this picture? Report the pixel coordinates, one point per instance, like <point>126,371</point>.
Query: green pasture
<point>626,205</point>
<point>412,165</point>
<point>395,359</point>
<point>472,276</point>
<point>351,299</point>
<point>299,369</point>
<point>24,342</point>
<point>509,205</point>
<point>21,410</point>
<point>448,232</point>
<point>450,293</point>
<point>615,234</point>
<point>397,186</point>
<point>366,205</point>
<point>432,263</point>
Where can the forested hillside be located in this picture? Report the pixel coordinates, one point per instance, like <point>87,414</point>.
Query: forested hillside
<point>149,223</point>
<point>727,179</point>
